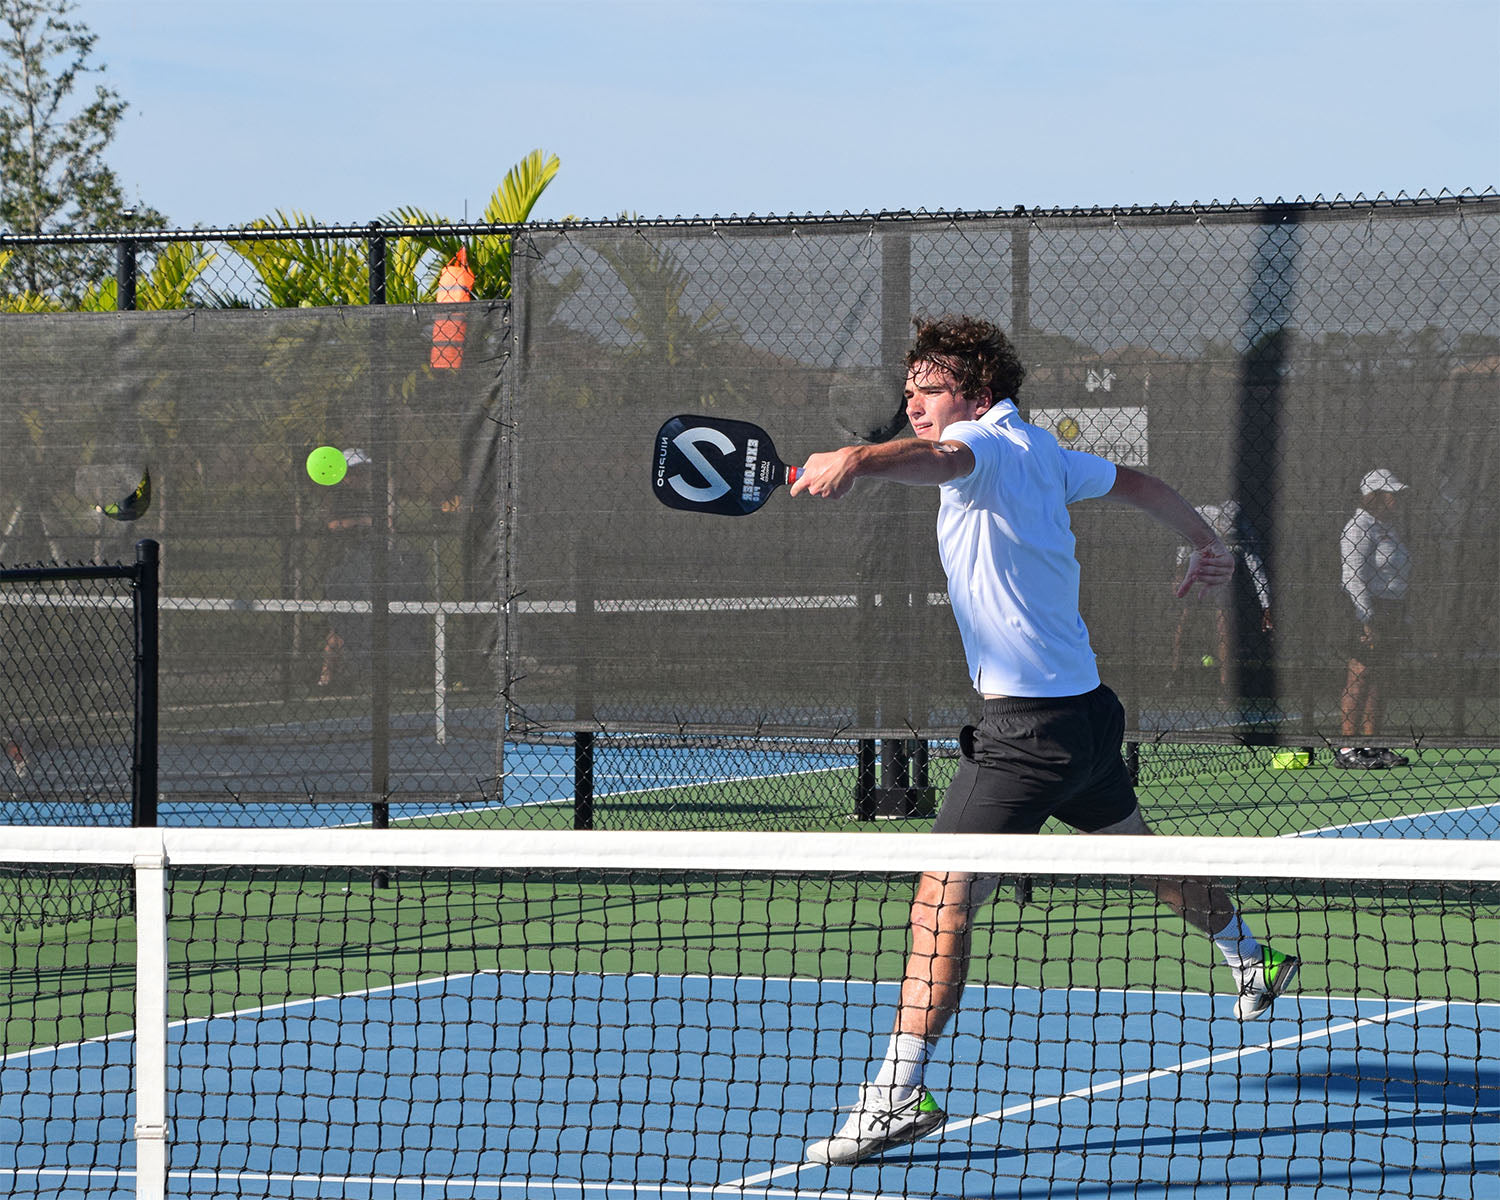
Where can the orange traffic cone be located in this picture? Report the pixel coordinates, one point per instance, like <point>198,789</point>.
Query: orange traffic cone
<point>455,286</point>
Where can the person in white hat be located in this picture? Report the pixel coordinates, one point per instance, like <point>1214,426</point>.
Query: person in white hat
<point>1376,569</point>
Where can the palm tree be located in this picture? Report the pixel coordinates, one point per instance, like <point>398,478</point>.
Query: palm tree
<point>488,254</point>
<point>310,269</point>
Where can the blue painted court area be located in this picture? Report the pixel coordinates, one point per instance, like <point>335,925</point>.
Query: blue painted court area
<point>536,776</point>
<point>551,1084</point>
<point>1477,821</point>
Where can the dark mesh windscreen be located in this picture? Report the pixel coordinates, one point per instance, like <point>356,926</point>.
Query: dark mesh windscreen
<point>494,566</point>
<point>314,639</point>
<point>1263,363</point>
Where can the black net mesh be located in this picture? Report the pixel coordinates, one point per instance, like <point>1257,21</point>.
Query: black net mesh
<point>672,1029</point>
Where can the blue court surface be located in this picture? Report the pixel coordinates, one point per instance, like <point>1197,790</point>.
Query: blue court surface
<point>609,1086</point>
<point>536,777</point>
<point>1478,821</point>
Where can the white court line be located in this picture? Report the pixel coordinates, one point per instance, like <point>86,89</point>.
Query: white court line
<point>1115,1085</point>
<point>1440,812</point>
<point>467,1187</point>
<point>283,1006</point>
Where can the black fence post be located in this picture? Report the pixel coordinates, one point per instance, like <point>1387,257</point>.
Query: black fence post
<point>145,595</point>
<point>1020,281</point>
<point>380,561</point>
<point>583,780</point>
<point>125,275</point>
<point>583,567</point>
<point>376,244</point>
<point>864,780</point>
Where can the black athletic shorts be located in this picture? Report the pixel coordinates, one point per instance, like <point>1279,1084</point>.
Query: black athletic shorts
<point>1030,759</point>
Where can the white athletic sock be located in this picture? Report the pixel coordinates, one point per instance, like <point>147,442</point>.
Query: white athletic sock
<point>904,1064</point>
<point>1238,944</point>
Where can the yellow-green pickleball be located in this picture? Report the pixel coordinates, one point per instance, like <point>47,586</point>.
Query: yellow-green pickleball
<point>327,465</point>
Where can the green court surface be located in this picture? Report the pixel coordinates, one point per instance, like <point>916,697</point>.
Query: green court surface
<point>67,942</point>
<point>1183,789</point>
<point>241,942</point>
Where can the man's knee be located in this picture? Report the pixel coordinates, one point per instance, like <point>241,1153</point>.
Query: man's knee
<point>1133,826</point>
<point>945,903</point>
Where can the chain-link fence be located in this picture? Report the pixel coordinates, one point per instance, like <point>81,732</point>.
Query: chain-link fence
<point>79,661</point>
<point>490,620</point>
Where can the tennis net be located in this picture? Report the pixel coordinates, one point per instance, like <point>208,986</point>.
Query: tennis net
<point>525,1013</point>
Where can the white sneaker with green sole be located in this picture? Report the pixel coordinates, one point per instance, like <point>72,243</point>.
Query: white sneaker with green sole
<point>879,1121</point>
<point>1261,983</point>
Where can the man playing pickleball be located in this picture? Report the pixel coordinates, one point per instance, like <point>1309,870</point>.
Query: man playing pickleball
<point>1049,741</point>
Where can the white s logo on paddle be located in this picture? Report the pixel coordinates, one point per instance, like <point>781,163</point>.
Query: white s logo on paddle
<point>687,442</point>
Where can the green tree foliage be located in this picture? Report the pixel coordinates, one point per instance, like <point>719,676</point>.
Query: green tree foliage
<point>488,254</point>
<point>309,269</point>
<point>176,267</point>
<point>169,283</point>
<point>53,176</point>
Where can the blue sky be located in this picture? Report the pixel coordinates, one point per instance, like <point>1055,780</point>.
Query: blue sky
<point>347,109</point>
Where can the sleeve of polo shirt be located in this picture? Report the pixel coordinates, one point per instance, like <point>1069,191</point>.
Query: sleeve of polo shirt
<point>982,444</point>
<point>1086,476</point>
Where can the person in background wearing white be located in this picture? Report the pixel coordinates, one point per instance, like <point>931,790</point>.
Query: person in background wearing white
<point>1376,569</point>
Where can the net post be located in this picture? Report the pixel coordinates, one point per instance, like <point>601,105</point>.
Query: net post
<point>146,596</point>
<point>152,1132</point>
<point>583,779</point>
<point>898,795</point>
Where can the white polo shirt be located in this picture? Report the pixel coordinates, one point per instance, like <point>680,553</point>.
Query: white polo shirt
<point>1007,546</point>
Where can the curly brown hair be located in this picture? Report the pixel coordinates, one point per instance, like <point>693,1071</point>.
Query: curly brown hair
<point>977,353</point>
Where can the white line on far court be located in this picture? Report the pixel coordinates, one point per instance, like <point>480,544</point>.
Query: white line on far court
<point>1398,818</point>
<point>1115,1085</point>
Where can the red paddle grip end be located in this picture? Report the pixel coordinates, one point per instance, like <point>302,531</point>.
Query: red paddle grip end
<point>792,473</point>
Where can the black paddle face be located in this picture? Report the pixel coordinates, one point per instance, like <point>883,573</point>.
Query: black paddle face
<point>714,465</point>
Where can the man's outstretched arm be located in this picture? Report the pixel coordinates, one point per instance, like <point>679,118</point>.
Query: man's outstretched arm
<point>911,461</point>
<point>1212,562</point>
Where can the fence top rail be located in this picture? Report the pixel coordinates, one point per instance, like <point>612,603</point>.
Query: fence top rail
<point>846,853</point>
<point>1258,209</point>
<point>67,571</point>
